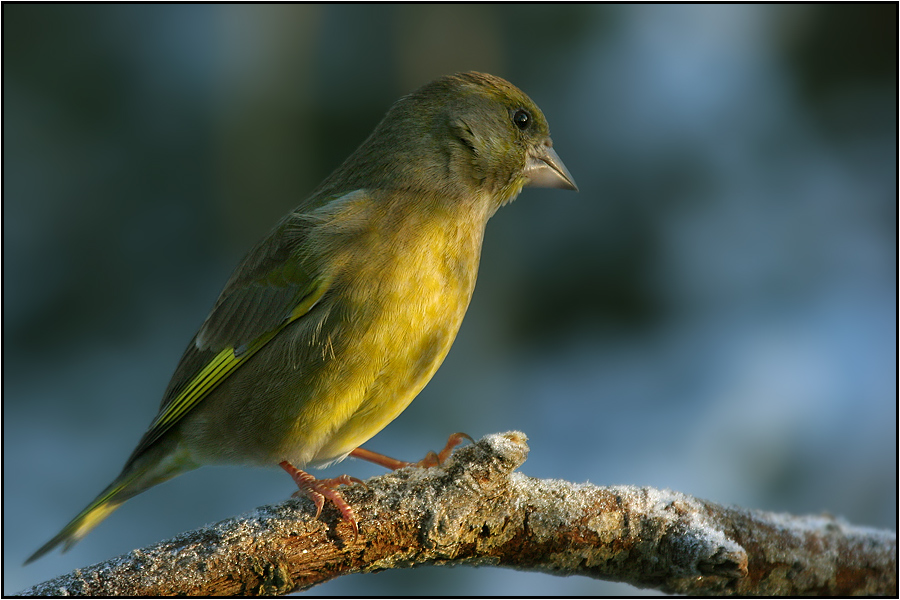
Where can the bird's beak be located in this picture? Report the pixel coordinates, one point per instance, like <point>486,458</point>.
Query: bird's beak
<point>543,168</point>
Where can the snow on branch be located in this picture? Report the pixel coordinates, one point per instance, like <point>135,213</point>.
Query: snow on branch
<point>476,510</point>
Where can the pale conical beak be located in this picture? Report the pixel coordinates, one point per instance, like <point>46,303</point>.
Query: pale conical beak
<point>543,168</point>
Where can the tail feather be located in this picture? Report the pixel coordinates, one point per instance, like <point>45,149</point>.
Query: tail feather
<point>109,500</point>
<point>165,459</point>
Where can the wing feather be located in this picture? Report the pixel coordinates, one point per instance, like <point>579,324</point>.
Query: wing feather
<point>274,285</point>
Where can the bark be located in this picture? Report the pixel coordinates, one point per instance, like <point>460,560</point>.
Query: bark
<point>476,510</point>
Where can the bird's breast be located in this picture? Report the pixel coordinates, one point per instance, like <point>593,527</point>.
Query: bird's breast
<point>404,307</point>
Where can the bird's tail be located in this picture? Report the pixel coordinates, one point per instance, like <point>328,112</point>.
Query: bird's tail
<point>103,505</point>
<point>160,463</point>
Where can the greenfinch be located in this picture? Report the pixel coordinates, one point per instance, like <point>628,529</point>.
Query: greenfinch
<point>333,323</point>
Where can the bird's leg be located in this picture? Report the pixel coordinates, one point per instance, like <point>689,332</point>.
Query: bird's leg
<point>380,459</point>
<point>431,459</point>
<point>318,490</point>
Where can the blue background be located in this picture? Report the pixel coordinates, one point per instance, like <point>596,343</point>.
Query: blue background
<point>714,312</point>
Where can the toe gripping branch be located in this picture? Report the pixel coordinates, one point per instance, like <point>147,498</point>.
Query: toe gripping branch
<point>318,490</point>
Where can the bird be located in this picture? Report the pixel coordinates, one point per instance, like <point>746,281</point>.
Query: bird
<point>332,324</point>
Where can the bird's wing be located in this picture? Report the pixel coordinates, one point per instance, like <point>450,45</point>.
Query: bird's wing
<point>273,286</point>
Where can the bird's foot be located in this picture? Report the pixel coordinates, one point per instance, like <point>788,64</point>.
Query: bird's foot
<point>431,459</point>
<point>318,490</point>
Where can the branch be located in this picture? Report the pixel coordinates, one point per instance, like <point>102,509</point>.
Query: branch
<point>475,510</point>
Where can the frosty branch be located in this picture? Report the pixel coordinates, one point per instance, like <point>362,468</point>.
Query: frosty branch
<point>477,510</point>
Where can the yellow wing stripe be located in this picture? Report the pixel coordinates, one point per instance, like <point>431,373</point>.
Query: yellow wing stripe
<point>220,367</point>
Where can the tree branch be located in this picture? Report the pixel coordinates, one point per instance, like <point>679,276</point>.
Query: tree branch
<point>475,510</point>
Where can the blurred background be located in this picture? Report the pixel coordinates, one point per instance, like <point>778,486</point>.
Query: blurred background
<point>714,312</point>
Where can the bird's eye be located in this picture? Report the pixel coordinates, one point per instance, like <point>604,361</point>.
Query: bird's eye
<point>522,119</point>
